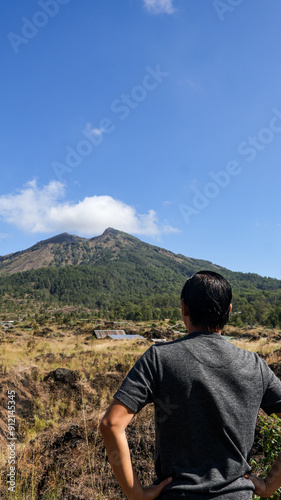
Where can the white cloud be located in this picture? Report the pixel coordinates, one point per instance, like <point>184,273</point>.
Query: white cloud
<point>94,131</point>
<point>159,6</point>
<point>43,210</point>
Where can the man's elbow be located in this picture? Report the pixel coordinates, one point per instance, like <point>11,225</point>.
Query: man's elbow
<point>115,419</point>
<point>104,426</point>
<point>109,426</point>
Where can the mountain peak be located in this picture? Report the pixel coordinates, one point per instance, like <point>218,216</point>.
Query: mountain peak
<point>110,230</point>
<point>60,238</point>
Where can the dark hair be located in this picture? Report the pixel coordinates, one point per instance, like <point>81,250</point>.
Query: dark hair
<point>207,296</point>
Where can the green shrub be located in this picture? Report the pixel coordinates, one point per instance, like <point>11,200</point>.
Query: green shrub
<point>269,438</point>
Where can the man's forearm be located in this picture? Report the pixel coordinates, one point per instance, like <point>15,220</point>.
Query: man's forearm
<point>112,427</point>
<point>273,478</point>
<point>267,486</point>
<point>118,452</point>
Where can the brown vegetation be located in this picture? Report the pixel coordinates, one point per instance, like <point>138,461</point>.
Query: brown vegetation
<point>63,384</point>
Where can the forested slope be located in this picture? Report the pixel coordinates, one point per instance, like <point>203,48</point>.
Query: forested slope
<point>117,272</point>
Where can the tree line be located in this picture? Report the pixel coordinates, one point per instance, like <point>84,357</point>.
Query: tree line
<point>135,290</point>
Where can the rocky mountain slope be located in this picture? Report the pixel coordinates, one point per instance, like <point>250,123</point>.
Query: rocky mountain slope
<point>118,273</point>
<point>68,250</point>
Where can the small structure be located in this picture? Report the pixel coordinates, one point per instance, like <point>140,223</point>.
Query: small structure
<point>115,335</point>
<point>101,334</point>
<point>125,337</point>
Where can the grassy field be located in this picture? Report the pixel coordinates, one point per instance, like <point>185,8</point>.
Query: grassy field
<point>59,451</point>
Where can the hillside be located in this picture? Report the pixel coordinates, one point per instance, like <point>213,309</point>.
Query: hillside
<point>69,250</point>
<point>120,274</point>
<point>64,382</point>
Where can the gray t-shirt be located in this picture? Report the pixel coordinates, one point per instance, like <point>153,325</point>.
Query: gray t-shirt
<point>207,394</point>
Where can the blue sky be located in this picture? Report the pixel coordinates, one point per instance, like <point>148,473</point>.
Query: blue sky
<point>161,118</point>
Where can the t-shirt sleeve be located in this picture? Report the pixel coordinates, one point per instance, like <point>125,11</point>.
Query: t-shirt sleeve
<point>139,386</point>
<point>271,401</point>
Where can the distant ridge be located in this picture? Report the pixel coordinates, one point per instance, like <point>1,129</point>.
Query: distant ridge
<point>120,273</point>
<point>60,238</point>
<point>67,250</point>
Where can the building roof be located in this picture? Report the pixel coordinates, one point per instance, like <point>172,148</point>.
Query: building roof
<point>124,337</point>
<point>115,335</point>
<point>101,334</point>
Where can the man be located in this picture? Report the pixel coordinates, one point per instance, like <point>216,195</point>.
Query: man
<point>207,394</point>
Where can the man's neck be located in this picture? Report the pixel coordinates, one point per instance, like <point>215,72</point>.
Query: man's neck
<point>191,329</point>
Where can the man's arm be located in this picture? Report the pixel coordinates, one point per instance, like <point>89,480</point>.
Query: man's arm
<point>267,486</point>
<point>112,427</point>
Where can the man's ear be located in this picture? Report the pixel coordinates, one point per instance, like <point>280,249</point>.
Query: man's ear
<point>185,310</point>
<point>230,308</point>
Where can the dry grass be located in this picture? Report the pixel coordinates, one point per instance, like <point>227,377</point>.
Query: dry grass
<point>262,346</point>
<point>60,453</point>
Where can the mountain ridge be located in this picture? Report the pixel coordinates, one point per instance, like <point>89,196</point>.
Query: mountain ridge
<point>66,249</point>
<point>116,273</point>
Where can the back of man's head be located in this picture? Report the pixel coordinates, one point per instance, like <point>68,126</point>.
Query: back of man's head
<point>207,296</point>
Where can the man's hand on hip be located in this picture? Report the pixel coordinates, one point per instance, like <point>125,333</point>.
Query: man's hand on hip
<point>152,491</point>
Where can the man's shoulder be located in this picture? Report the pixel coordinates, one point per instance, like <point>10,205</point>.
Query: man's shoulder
<point>210,344</point>
<point>163,346</point>
<point>163,350</point>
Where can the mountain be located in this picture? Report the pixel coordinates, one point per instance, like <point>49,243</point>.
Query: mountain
<point>70,250</point>
<point>119,273</point>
